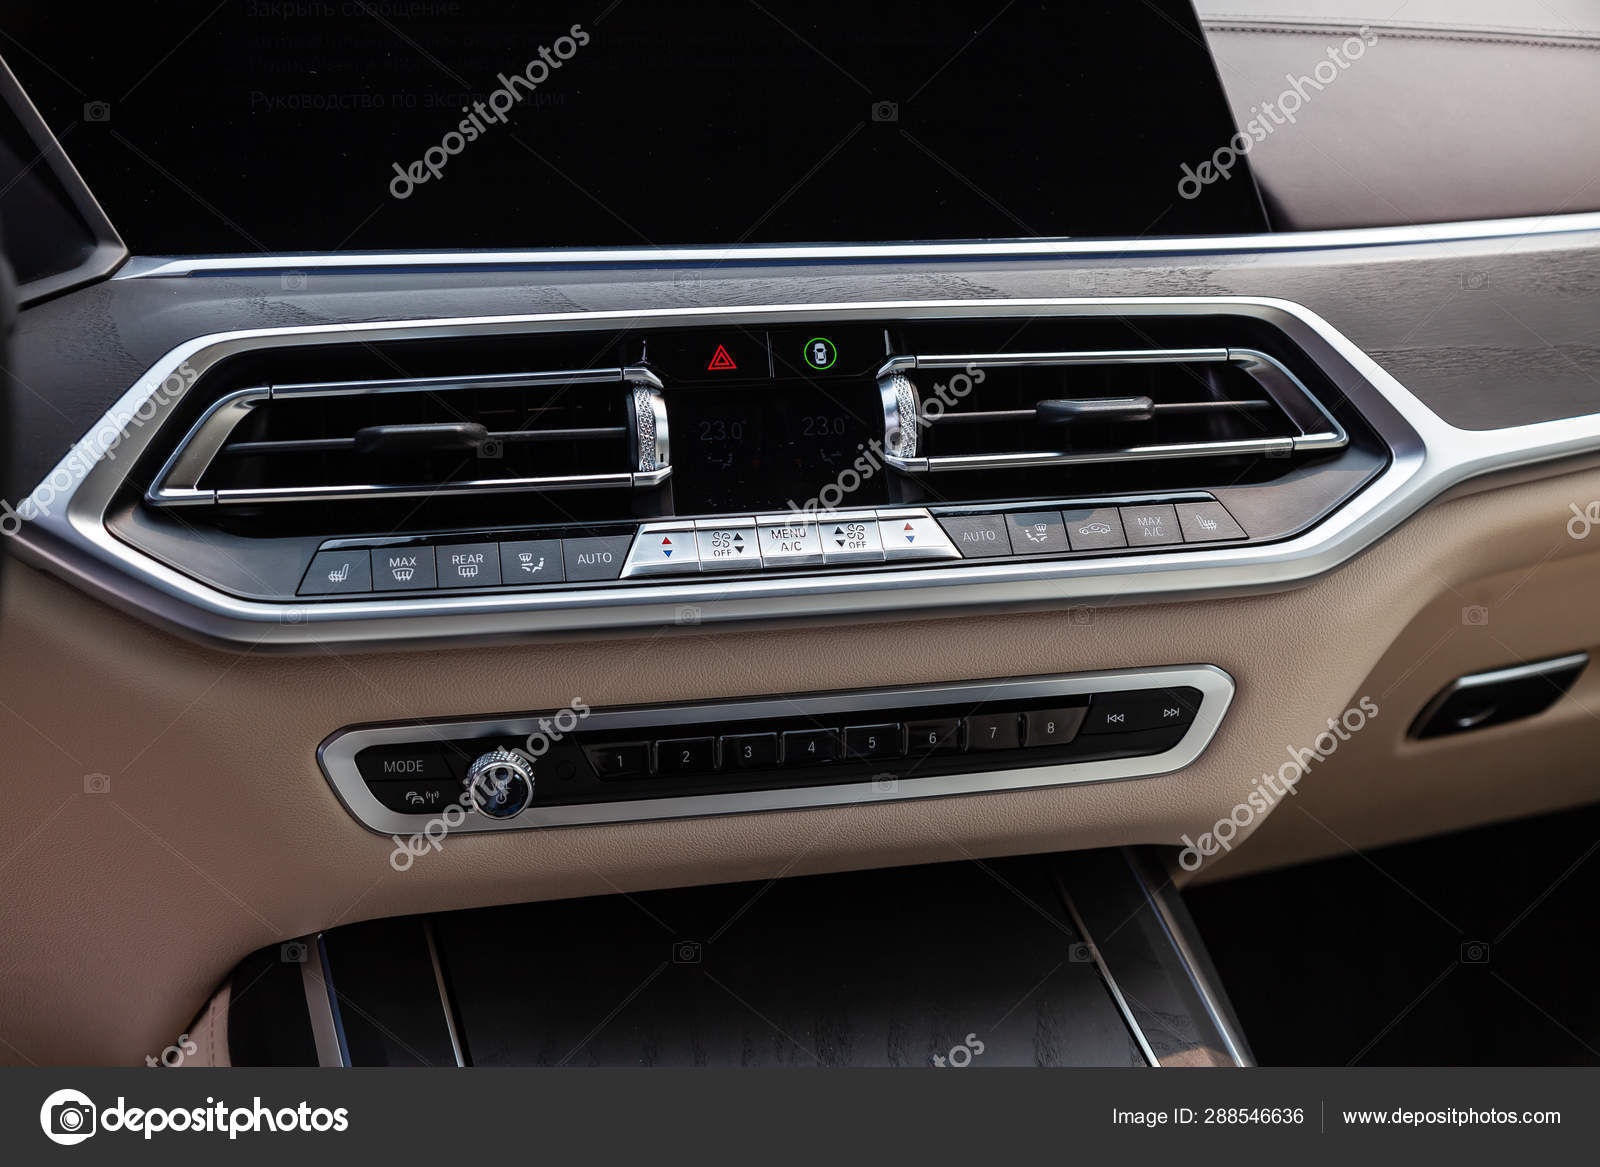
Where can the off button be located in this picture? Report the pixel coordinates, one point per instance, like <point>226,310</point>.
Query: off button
<point>851,540</point>
<point>978,536</point>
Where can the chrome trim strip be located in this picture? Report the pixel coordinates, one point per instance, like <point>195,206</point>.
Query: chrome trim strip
<point>1115,990</point>
<point>1220,1014</point>
<point>149,267</point>
<point>1521,672</point>
<point>67,534</point>
<point>320,1006</point>
<point>337,754</point>
<point>444,993</point>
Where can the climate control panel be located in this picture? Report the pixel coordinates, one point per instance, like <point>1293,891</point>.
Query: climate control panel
<point>583,765</point>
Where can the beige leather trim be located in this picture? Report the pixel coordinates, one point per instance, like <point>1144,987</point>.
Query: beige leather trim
<point>209,1031</point>
<point>212,833</point>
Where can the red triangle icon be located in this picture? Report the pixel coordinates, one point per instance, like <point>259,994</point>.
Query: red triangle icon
<point>721,360</point>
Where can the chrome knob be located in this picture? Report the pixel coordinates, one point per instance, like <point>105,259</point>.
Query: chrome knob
<point>500,783</point>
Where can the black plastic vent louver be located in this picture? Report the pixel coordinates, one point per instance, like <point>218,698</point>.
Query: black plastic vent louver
<point>1001,411</point>
<point>373,440</point>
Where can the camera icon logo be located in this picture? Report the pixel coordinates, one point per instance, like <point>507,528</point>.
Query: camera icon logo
<point>886,111</point>
<point>686,952</point>
<point>97,111</point>
<point>1475,615</point>
<point>491,449</point>
<point>68,1117</point>
<point>294,952</point>
<point>97,783</point>
<point>293,281</point>
<point>1475,952</point>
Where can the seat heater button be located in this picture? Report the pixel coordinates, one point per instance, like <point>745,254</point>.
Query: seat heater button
<point>662,551</point>
<point>851,540</point>
<point>1151,526</point>
<point>914,535</point>
<point>1207,522</point>
<point>335,573</point>
<point>1038,533</point>
<point>788,541</point>
<point>469,565</point>
<point>728,547</point>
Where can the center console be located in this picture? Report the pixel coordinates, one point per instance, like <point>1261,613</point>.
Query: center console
<point>579,765</point>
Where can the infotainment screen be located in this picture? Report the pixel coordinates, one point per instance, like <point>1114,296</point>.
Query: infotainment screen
<point>285,125</point>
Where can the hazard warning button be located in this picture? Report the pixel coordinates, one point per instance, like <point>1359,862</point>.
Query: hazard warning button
<point>729,354</point>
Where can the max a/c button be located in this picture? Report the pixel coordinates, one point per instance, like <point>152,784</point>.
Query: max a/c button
<point>978,536</point>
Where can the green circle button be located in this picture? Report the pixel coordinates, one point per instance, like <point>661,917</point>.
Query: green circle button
<point>820,353</point>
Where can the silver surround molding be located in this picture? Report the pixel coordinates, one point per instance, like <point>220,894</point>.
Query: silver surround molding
<point>162,267</point>
<point>337,754</point>
<point>66,531</point>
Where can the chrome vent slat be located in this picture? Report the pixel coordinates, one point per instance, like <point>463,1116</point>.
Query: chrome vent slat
<point>189,477</point>
<point>913,444</point>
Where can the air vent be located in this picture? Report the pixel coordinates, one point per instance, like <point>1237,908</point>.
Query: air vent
<point>999,411</point>
<point>350,441</point>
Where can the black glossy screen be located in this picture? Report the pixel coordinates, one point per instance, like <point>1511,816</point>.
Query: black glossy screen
<point>325,125</point>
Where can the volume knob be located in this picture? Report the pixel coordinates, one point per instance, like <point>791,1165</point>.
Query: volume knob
<point>500,783</point>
